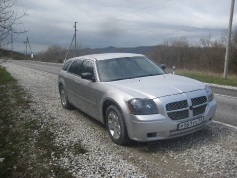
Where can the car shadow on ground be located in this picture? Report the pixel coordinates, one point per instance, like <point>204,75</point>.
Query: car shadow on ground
<point>210,135</point>
<point>89,118</point>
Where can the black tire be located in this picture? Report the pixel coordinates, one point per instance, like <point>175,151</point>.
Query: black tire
<point>116,125</point>
<point>64,99</point>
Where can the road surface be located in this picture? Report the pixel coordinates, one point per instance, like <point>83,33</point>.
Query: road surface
<point>226,98</point>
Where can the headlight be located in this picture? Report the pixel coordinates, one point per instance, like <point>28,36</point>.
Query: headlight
<point>210,94</point>
<point>139,106</point>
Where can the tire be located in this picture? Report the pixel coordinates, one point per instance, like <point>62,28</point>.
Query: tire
<point>116,125</point>
<point>64,99</point>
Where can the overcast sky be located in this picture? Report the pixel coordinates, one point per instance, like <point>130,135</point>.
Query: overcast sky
<point>119,23</point>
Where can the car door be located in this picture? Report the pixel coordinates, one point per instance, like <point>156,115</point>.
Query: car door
<point>72,83</point>
<point>87,90</point>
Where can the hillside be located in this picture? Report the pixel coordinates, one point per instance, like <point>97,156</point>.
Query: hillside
<point>7,54</point>
<point>112,49</point>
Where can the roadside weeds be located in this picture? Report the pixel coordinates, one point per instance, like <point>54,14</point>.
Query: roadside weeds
<point>26,147</point>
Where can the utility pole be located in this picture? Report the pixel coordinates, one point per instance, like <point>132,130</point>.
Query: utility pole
<point>11,42</point>
<point>75,38</point>
<point>227,54</point>
<point>25,42</point>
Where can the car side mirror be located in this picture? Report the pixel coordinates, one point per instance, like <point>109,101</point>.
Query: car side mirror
<point>88,76</point>
<point>162,66</point>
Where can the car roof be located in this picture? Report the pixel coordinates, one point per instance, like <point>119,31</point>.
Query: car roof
<point>105,56</point>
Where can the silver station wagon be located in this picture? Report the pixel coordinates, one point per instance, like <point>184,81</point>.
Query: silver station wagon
<point>134,97</point>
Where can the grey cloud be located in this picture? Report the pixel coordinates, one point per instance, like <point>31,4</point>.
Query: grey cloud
<point>119,22</point>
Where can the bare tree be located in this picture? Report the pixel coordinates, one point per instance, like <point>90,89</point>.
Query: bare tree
<point>8,18</point>
<point>205,41</point>
<point>54,53</point>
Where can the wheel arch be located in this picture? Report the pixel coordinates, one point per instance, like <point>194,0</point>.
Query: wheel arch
<point>60,83</point>
<point>106,104</point>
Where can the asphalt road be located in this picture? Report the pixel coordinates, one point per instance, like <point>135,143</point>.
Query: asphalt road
<point>226,98</point>
<point>43,66</point>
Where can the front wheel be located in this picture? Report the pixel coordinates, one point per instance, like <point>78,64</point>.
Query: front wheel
<point>64,100</point>
<point>116,125</point>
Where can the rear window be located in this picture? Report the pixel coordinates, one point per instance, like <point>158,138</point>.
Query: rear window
<point>66,65</point>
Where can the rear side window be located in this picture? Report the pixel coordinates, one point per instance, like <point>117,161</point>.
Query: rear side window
<point>66,65</point>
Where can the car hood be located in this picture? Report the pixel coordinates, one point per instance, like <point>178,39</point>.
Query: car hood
<point>157,86</point>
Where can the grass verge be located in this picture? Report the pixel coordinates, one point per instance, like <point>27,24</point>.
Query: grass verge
<point>209,77</point>
<point>25,147</point>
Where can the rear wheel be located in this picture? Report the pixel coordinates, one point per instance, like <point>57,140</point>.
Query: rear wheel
<point>116,125</point>
<point>64,100</point>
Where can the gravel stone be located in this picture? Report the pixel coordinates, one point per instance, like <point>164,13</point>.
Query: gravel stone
<point>210,152</point>
<point>71,127</point>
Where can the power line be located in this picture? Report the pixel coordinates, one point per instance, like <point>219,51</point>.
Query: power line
<point>156,6</point>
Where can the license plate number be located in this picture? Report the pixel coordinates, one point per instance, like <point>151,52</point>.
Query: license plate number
<point>191,123</point>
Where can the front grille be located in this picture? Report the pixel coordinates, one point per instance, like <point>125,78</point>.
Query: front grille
<point>199,110</point>
<point>199,100</point>
<point>177,105</point>
<point>180,109</point>
<point>177,115</point>
<point>199,105</point>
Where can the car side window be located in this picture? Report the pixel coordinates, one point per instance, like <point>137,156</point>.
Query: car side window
<point>74,68</point>
<point>87,66</point>
<point>66,65</point>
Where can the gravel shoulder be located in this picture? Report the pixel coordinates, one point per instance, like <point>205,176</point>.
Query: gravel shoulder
<point>208,153</point>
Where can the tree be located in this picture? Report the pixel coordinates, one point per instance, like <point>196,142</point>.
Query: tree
<point>8,18</point>
<point>54,53</point>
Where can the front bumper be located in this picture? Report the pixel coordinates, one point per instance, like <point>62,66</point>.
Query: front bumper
<point>159,127</point>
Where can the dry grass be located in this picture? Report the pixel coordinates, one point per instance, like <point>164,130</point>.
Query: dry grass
<point>208,77</point>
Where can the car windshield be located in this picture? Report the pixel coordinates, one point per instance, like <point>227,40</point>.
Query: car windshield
<point>127,68</point>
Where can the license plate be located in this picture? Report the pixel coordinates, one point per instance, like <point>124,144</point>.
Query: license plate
<point>190,123</point>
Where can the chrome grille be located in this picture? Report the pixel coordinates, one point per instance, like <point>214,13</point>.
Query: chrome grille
<point>180,109</point>
<point>199,105</point>
<point>199,100</point>
<point>177,115</point>
<point>177,105</point>
<point>199,110</point>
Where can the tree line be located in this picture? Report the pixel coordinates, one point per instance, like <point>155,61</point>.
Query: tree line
<point>205,55</point>
<point>57,53</point>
